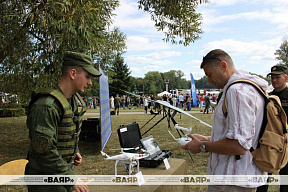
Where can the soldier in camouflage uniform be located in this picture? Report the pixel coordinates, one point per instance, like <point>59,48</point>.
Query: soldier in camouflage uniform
<point>279,77</point>
<point>54,121</point>
<point>117,103</point>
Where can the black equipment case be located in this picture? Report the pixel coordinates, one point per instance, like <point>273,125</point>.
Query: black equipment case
<point>130,137</point>
<point>91,130</point>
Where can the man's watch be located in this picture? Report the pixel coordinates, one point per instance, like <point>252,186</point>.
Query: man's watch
<point>203,147</point>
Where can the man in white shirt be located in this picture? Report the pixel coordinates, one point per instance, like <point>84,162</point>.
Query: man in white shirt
<point>181,100</point>
<point>238,132</point>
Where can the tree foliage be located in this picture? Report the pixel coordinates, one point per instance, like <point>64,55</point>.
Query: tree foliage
<point>282,53</point>
<point>175,78</point>
<point>35,35</point>
<point>203,83</point>
<point>120,78</point>
<point>154,82</point>
<point>176,18</point>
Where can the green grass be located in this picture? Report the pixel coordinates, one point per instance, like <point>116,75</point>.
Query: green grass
<point>14,144</point>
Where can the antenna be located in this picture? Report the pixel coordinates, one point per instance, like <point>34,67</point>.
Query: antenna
<point>188,131</point>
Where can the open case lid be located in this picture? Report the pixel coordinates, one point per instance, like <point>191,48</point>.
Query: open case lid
<point>151,146</point>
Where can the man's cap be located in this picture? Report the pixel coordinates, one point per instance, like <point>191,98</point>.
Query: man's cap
<point>80,60</point>
<point>279,69</point>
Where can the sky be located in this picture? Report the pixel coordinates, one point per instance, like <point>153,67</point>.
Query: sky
<point>249,31</point>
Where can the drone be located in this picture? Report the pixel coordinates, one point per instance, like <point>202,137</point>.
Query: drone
<point>129,160</point>
<point>182,140</point>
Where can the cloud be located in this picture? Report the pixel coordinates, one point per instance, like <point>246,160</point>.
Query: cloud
<point>144,60</point>
<point>194,62</point>
<point>164,54</point>
<point>227,2</point>
<point>274,13</point>
<point>139,43</point>
<point>250,31</point>
<point>138,60</point>
<point>241,48</point>
<point>140,71</point>
<point>136,71</point>
<point>130,19</point>
<point>196,75</point>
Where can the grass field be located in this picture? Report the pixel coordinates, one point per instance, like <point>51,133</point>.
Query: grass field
<point>14,144</point>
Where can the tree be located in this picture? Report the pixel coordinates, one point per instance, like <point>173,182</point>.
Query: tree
<point>35,35</point>
<point>282,53</point>
<point>203,83</point>
<point>153,82</point>
<point>120,78</point>
<point>133,85</point>
<point>175,79</point>
<point>176,18</point>
<point>140,85</point>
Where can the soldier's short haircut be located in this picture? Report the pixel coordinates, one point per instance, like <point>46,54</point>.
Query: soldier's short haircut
<point>67,69</point>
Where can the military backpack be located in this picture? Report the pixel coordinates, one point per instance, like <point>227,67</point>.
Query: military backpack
<point>271,152</point>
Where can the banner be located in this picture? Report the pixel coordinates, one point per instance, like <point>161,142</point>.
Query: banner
<point>240,180</point>
<point>106,129</point>
<point>193,91</point>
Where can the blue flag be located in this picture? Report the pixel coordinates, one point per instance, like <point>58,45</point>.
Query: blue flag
<point>193,90</point>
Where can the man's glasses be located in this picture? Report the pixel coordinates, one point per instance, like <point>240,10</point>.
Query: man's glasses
<point>209,58</point>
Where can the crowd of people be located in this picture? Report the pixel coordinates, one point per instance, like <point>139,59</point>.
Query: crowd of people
<point>148,102</point>
<point>92,102</point>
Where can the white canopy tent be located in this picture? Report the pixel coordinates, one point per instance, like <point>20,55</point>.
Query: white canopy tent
<point>164,93</point>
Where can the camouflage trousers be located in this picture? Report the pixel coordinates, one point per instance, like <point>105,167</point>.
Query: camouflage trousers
<point>45,188</point>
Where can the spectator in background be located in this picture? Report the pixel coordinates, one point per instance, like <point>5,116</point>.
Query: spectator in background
<point>201,102</point>
<point>214,98</point>
<point>152,101</point>
<point>138,100</point>
<point>128,101</point>
<point>149,102</point>
<point>111,102</point>
<point>94,102</point>
<point>89,101</point>
<point>188,103</point>
<point>123,101</point>
<point>181,100</point>
<point>165,98</point>
<point>207,103</point>
<point>85,100</point>
<point>145,103</point>
<point>174,101</point>
<point>117,103</point>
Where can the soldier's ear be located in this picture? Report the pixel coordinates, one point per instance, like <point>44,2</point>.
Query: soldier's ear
<point>73,74</point>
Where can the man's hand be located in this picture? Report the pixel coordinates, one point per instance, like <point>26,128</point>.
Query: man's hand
<point>81,188</point>
<point>194,145</point>
<point>78,159</point>
<point>201,137</point>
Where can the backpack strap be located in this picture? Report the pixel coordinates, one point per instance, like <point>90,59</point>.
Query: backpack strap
<point>261,91</point>
<point>224,108</point>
